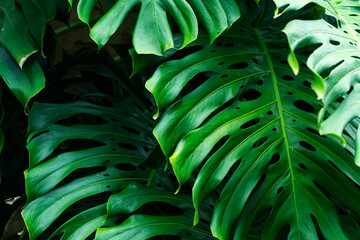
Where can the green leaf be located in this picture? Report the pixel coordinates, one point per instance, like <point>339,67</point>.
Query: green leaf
<point>24,83</point>
<point>13,26</point>
<point>152,33</point>
<point>121,140</point>
<point>251,126</point>
<point>141,227</point>
<point>36,20</point>
<point>335,63</point>
<point>83,224</point>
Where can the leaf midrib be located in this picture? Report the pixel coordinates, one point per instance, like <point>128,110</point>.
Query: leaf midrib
<point>282,120</point>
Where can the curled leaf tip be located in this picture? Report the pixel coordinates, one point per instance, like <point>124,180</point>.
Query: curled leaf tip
<point>23,60</point>
<point>196,217</point>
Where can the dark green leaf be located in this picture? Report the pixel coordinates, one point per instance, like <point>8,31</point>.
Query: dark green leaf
<point>24,83</point>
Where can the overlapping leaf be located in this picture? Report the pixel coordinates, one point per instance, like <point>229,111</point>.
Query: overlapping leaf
<point>335,62</point>
<point>84,151</point>
<point>251,125</point>
<point>140,226</point>
<point>152,33</point>
<point>22,29</point>
<point>122,139</point>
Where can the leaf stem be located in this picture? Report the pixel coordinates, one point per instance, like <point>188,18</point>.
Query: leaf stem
<point>151,177</point>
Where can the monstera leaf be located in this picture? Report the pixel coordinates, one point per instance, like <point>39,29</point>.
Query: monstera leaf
<point>152,33</point>
<point>236,110</point>
<point>59,176</point>
<point>22,32</point>
<point>140,226</point>
<point>83,152</point>
<point>335,62</point>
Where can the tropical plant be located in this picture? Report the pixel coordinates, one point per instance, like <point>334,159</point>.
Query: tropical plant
<point>239,138</point>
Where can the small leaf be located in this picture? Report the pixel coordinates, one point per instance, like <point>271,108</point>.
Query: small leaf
<point>13,26</point>
<point>24,83</point>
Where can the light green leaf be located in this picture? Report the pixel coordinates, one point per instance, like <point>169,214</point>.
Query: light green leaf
<point>335,63</point>
<point>250,124</point>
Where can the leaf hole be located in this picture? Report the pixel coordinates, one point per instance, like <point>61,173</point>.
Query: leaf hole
<point>303,166</point>
<point>249,95</point>
<point>131,130</point>
<point>287,78</point>
<point>304,106</point>
<point>334,42</point>
<point>260,142</point>
<point>250,123</point>
<point>279,190</point>
<point>229,44</point>
<point>307,84</point>
<point>205,221</point>
<point>224,76</point>
<point>316,224</point>
<point>125,167</point>
<point>127,146</point>
<point>283,233</point>
<point>275,158</point>
<point>239,65</point>
<point>307,145</point>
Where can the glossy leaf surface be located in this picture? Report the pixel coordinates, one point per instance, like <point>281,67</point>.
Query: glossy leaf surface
<point>250,124</point>
<point>335,62</point>
<point>119,142</point>
<point>14,27</point>
<point>83,152</point>
<point>152,33</point>
<point>140,226</point>
<point>23,83</point>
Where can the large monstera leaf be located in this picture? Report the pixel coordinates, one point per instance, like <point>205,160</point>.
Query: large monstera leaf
<point>335,61</point>
<point>60,185</point>
<point>152,33</point>
<point>83,152</point>
<point>70,163</point>
<point>251,125</point>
